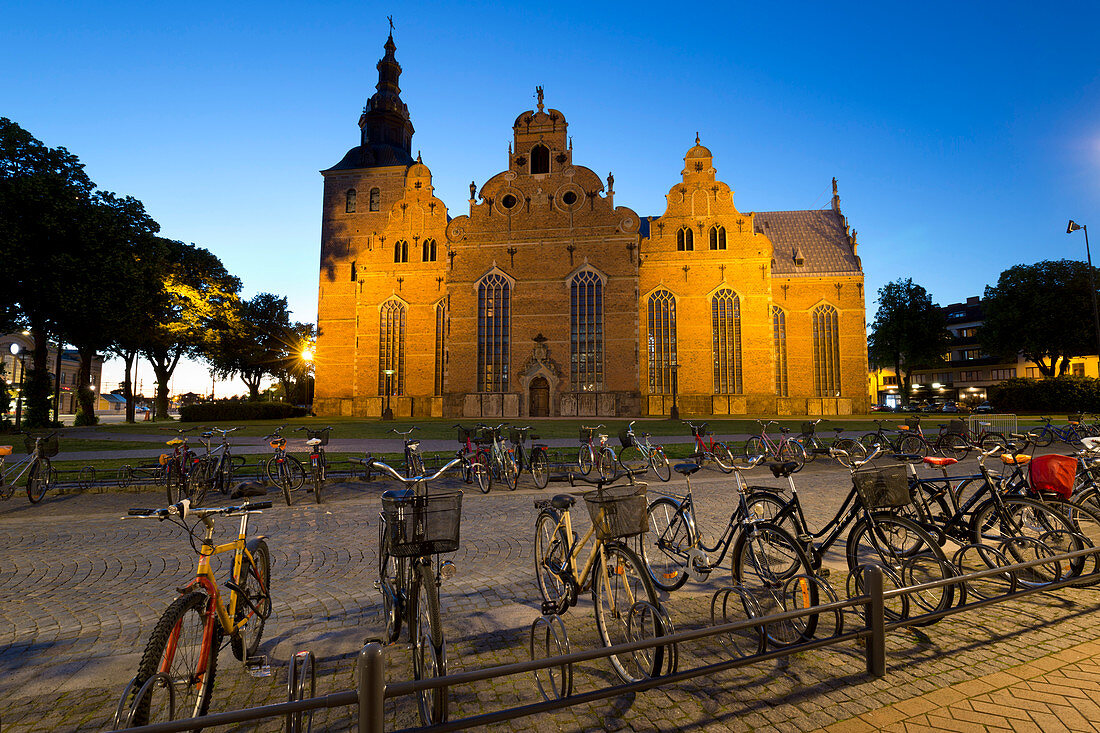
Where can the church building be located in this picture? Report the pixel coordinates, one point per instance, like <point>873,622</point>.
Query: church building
<point>544,298</point>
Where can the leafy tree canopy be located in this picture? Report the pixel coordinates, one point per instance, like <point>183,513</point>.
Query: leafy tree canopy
<point>909,331</point>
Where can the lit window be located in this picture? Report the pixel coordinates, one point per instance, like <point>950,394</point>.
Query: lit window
<point>717,237</point>
<point>685,240</point>
<point>661,341</point>
<point>391,348</point>
<point>375,199</point>
<point>586,319</point>
<point>779,336</point>
<point>826,336</point>
<point>494,312</point>
<point>725,309</point>
<point>349,201</point>
<point>440,345</point>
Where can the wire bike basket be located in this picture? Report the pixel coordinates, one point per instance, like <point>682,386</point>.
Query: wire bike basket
<point>882,488</point>
<point>618,511</point>
<point>51,445</point>
<point>625,439</point>
<point>422,525</point>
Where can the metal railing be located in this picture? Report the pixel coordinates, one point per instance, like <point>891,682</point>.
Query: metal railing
<point>1005,424</point>
<point>372,690</point>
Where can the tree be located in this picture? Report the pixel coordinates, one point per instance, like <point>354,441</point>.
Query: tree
<point>1040,311</point>
<point>909,332</point>
<point>290,368</point>
<point>254,344</point>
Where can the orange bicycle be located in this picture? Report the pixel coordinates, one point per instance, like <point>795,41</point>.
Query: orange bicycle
<point>177,669</point>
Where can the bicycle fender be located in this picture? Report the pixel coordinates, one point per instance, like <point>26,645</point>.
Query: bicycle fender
<point>251,543</point>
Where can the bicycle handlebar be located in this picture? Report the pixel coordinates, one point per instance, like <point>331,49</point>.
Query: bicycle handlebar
<point>369,462</point>
<point>183,510</point>
<point>605,482</point>
<point>840,452</point>
<point>407,432</point>
<point>310,430</point>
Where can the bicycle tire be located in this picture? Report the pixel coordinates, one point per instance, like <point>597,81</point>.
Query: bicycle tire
<point>317,478</point>
<point>666,544</point>
<point>429,646</point>
<point>1030,519</point>
<point>586,459</point>
<point>905,552</point>
<point>765,556</point>
<point>1086,521</point>
<point>175,483</point>
<point>793,451</point>
<point>754,446</point>
<point>989,440</point>
<point>482,475</point>
<point>913,445</point>
<point>870,440</point>
<point>953,445</point>
<point>551,556</point>
<point>254,580</point>
<point>1043,438</point>
<point>723,457</point>
<point>811,444</point>
<point>631,458</point>
<point>188,614</point>
<point>605,463</point>
<point>509,471</point>
<point>620,580</point>
<point>38,479</point>
<point>658,461</point>
<point>540,469</point>
<point>391,576</point>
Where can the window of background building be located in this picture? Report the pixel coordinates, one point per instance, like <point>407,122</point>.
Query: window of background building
<point>725,310</point>
<point>400,251</point>
<point>391,348</point>
<point>1033,373</point>
<point>890,381</point>
<point>826,336</point>
<point>375,199</point>
<point>428,250</point>
<point>494,311</point>
<point>661,341</point>
<point>779,336</point>
<point>685,240</point>
<point>970,376</point>
<point>586,328</point>
<point>971,354</point>
<point>717,237</point>
<point>540,159</point>
<point>440,345</point>
<point>1002,374</point>
<point>1078,370</point>
<point>349,201</point>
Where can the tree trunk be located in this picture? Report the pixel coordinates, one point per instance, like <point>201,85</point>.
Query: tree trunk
<point>128,386</point>
<point>163,366</point>
<point>36,410</point>
<point>253,386</point>
<point>1044,369</point>
<point>1063,367</point>
<point>85,395</point>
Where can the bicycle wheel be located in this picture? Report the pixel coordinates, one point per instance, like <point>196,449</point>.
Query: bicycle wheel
<point>631,458</point>
<point>870,440</point>
<point>7,488</point>
<point>913,445</point>
<point>509,472</point>
<point>38,479</point>
<point>1086,521</point>
<point>658,461</point>
<point>765,506</point>
<point>254,582</point>
<point>953,445</point>
<point>199,479</point>
<point>1021,517</point>
<point>811,444</point>
<point>1043,437</point>
<point>666,545</point>
<point>605,463</point>
<point>853,449</point>
<point>391,576</point>
<point>765,558</point>
<point>907,555</point>
<point>225,474</point>
<point>551,557</point>
<point>792,450</point>
<point>586,458</point>
<point>540,469</point>
<point>176,646</point>
<point>991,440</point>
<point>429,646</point>
<point>479,467</point>
<point>754,446</point>
<point>415,464</point>
<point>176,484</point>
<point>723,457</point>
<point>620,581</point>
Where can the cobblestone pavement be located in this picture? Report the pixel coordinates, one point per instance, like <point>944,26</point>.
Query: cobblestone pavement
<point>80,590</point>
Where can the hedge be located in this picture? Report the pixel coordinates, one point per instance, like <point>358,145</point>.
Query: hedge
<point>233,410</point>
<point>1056,394</point>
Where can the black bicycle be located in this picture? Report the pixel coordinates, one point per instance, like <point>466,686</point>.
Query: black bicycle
<point>214,471</point>
<point>316,440</point>
<point>534,460</point>
<point>414,462</point>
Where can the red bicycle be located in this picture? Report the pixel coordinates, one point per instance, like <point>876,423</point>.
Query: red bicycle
<point>709,449</point>
<point>475,459</point>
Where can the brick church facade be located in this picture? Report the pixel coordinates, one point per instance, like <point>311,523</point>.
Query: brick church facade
<point>547,299</point>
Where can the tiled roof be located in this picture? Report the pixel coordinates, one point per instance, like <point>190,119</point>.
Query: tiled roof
<point>373,156</point>
<point>819,237</point>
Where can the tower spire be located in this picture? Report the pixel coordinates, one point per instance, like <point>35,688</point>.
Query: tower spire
<point>385,121</point>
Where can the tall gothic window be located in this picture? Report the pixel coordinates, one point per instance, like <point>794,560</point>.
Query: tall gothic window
<point>717,237</point>
<point>586,318</point>
<point>725,311</point>
<point>391,348</point>
<point>826,351</point>
<point>493,316</point>
<point>400,251</point>
<point>375,199</point>
<point>440,344</point>
<point>349,201</point>
<point>685,240</point>
<point>661,341</point>
<point>427,253</point>
<point>540,159</point>
<point>779,335</point>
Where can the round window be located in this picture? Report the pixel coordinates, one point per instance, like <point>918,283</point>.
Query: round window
<point>569,198</point>
<point>508,201</point>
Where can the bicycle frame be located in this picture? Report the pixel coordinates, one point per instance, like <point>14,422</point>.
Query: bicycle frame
<point>568,573</point>
<point>18,469</point>
<point>204,576</point>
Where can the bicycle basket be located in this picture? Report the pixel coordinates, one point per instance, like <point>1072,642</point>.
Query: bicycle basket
<point>626,439</point>
<point>881,488</point>
<point>1052,473</point>
<point>912,422</point>
<point>957,426</point>
<point>464,434</point>
<point>321,435</point>
<point>51,446</point>
<point>697,430</point>
<point>808,428</point>
<point>514,436</point>
<point>618,511</point>
<point>586,434</point>
<point>422,525</point>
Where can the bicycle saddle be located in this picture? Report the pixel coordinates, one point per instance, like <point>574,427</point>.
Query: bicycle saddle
<point>784,430</point>
<point>313,441</point>
<point>398,494</point>
<point>838,430</point>
<point>784,469</point>
<point>940,462</point>
<point>563,501</point>
<point>686,468</point>
<point>1018,459</point>
<point>5,450</point>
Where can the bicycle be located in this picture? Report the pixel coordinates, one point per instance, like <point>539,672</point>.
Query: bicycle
<point>414,527</point>
<point>876,533</point>
<point>1070,434</point>
<point>183,649</point>
<point>316,440</point>
<point>501,459</point>
<point>475,459</point>
<point>535,461</point>
<point>179,465</point>
<point>591,455</point>
<point>36,467</point>
<point>764,561</point>
<point>281,469</point>
<point>910,441</point>
<point>787,449</point>
<point>414,462</point>
<point>625,603</point>
<point>638,453</point>
<point>215,469</point>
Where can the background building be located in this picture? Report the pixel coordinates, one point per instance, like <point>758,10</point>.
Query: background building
<point>547,299</point>
<point>15,365</point>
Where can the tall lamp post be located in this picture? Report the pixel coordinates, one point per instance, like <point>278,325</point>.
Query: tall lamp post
<point>1074,226</point>
<point>307,359</point>
<point>387,414</point>
<point>17,350</point>
<point>674,413</point>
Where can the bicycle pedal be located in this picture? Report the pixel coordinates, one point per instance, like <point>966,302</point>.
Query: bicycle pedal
<point>258,666</point>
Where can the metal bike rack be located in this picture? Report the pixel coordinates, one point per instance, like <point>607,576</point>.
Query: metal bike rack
<point>302,669</point>
<point>747,606</point>
<point>642,610</point>
<point>124,714</point>
<point>556,643</point>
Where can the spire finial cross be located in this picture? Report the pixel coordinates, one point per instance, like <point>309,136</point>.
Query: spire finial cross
<point>696,138</point>
<point>390,19</point>
<point>538,92</point>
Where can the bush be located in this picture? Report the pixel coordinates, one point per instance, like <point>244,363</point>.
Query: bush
<point>1057,394</point>
<point>233,410</point>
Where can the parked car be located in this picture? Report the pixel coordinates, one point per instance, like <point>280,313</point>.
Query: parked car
<point>879,408</point>
<point>950,407</point>
<point>984,407</point>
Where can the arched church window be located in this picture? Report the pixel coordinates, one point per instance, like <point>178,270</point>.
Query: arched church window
<point>717,237</point>
<point>349,201</point>
<point>586,329</point>
<point>391,348</point>
<point>685,240</point>
<point>375,199</point>
<point>661,341</point>
<point>427,253</point>
<point>540,159</point>
<point>494,310</point>
<point>440,345</point>
<point>779,339</point>
<point>826,335</point>
<point>400,251</point>
<point>725,310</point>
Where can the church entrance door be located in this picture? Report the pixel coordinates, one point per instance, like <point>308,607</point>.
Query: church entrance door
<point>540,397</point>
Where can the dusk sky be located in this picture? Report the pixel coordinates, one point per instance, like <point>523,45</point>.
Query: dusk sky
<point>963,135</point>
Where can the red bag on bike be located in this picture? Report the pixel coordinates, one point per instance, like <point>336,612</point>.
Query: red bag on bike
<point>1053,473</point>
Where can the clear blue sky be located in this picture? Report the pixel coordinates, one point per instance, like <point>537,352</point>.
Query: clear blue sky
<point>963,135</point>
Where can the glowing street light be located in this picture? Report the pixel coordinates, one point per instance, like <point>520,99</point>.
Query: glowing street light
<point>1074,226</point>
<point>387,414</point>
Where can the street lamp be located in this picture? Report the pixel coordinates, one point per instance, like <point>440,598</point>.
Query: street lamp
<point>307,360</point>
<point>17,350</point>
<point>387,414</point>
<point>1074,226</point>
<point>674,413</point>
